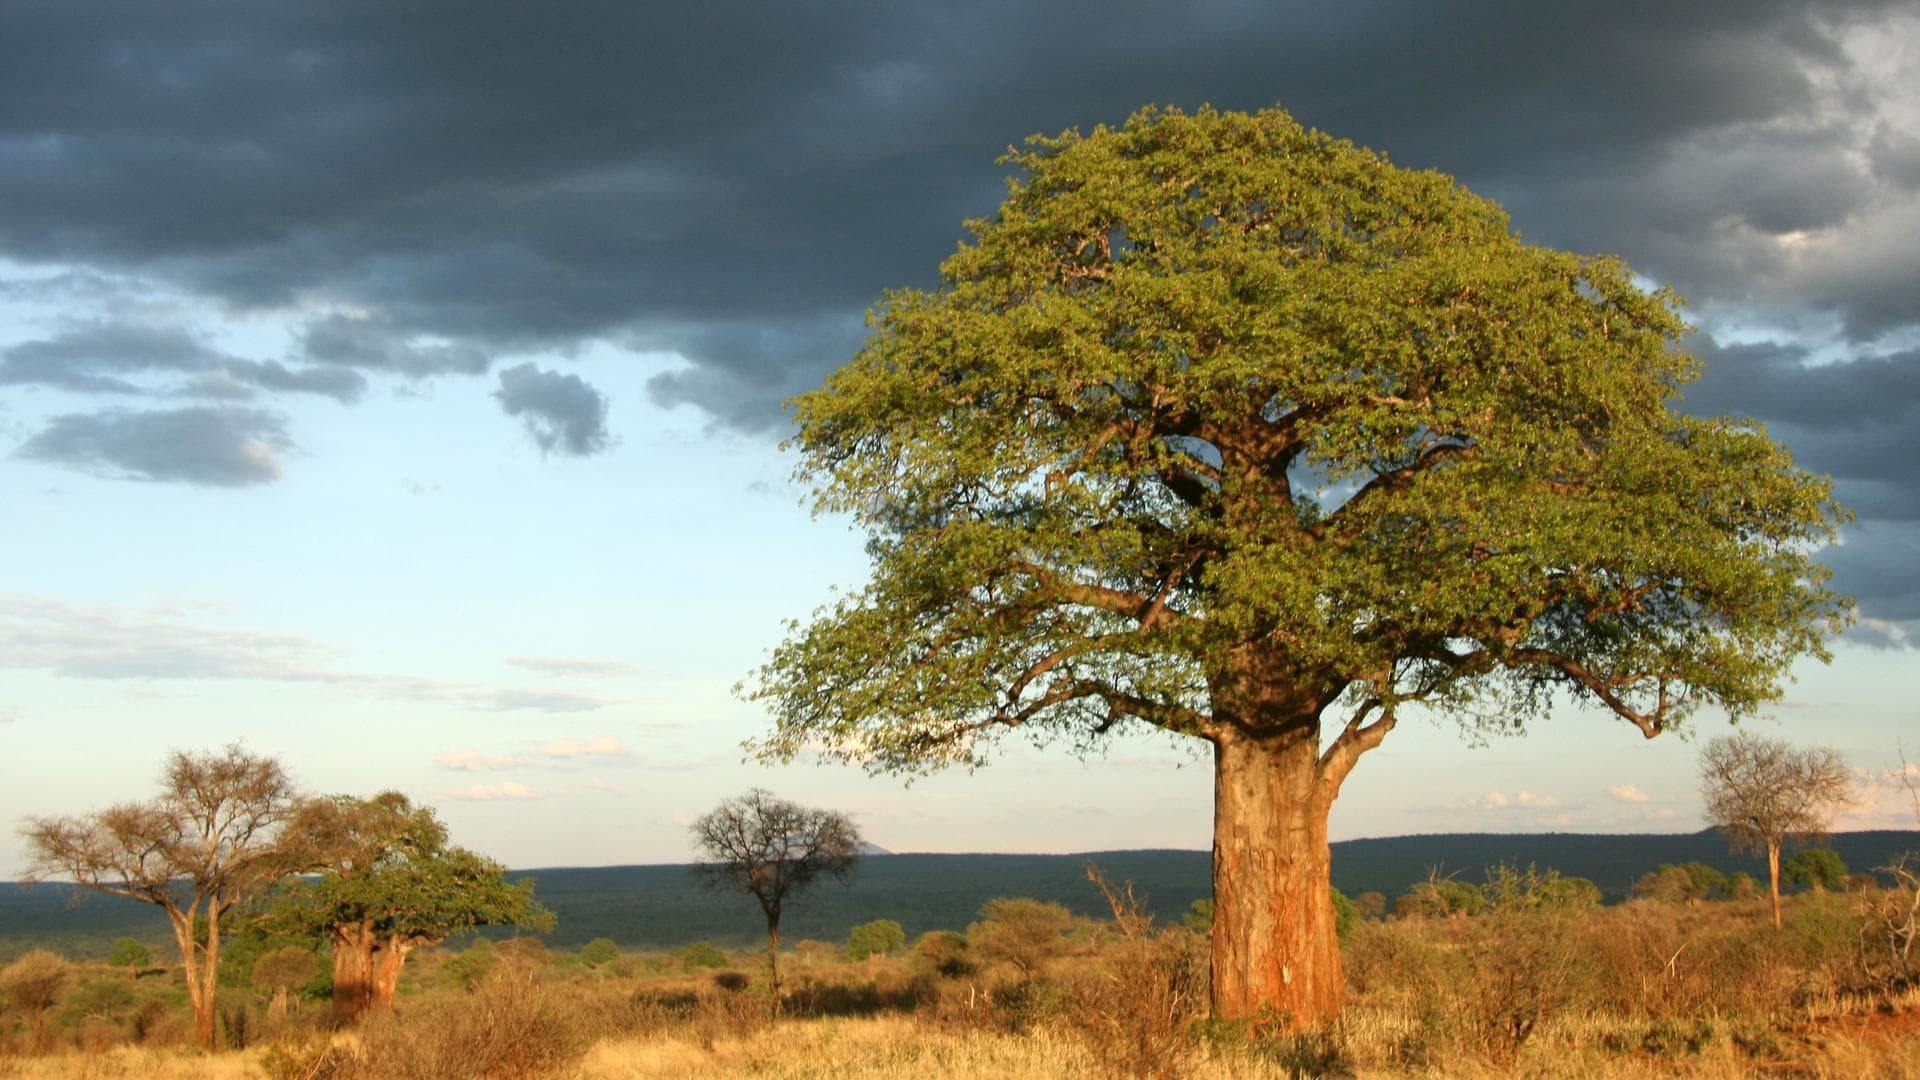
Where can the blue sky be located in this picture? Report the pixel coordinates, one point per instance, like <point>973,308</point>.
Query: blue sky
<point>408,407</point>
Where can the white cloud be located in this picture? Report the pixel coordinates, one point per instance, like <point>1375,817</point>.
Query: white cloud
<point>491,792</point>
<point>37,633</point>
<point>467,759</point>
<point>602,746</point>
<point>1629,793</point>
<point>597,784</point>
<point>572,666</point>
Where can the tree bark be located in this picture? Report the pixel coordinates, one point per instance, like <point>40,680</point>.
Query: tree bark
<point>387,962</point>
<point>1773,879</point>
<point>1275,957</point>
<point>773,964</point>
<point>352,971</point>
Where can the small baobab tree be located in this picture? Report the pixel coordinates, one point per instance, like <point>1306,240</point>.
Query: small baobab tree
<point>208,842</point>
<point>389,883</point>
<point>1765,792</point>
<point>772,850</point>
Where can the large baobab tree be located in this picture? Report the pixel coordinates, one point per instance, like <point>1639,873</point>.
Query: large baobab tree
<point>207,843</point>
<point>1227,427</point>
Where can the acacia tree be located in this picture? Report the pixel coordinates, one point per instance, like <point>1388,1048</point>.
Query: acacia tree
<point>209,842</point>
<point>772,850</point>
<point>1764,792</point>
<point>1227,427</point>
<point>389,884</point>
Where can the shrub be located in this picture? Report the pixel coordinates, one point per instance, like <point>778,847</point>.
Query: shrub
<point>1020,932</point>
<point>945,952</point>
<point>32,983</point>
<point>1441,896</point>
<point>599,952</point>
<point>876,938</point>
<point>1345,915</point>
<point>279,971</point>
<point>526,952</point>
<point>130,952</point>
<point>474,964</point>
<point>1199,917</point>
<point>1815,867</point>
<point>699,956</point>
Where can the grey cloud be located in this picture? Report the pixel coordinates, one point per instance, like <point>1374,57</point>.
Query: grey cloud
<point>109,358</point>
<point>212,446</point>
<point>628,169</point>
<point>1896,156</point>
<point>360,341</point>
<point>562,412</point>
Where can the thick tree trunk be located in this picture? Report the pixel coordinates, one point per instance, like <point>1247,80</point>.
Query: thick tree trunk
<point>352,971</point>
<point>1773,879</point>
<point>1275,957</point>
<point>387,962</point>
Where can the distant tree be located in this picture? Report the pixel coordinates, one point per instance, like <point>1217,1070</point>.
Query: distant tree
<point>876,938</point>
<point>1228,427</point>
<point>388,884</point>
<point>1372,904</point>
<point>32,984</point>
<point>1346,915</point>
<point>1817,867</point>
<point>1511,888</point>
<point>474,964</point>
<point>773,850</point>
<point>1019,931</point>
<point>278,971</point>
<point>946,952</point>
<point>209,842</point>
<point>1441,897</point>
<point>1743,886</point>
<point>1198,917</point>
<point>700,955</point>
<point>1765,792</point>
<point>599,952</point>
<point>130,952</point>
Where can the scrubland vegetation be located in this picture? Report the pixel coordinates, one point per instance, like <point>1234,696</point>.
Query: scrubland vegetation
<point>1537,980</point>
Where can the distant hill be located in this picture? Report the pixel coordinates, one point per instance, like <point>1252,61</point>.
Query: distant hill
<point>658,907</point>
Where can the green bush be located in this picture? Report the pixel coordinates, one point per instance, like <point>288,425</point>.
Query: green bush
<point>876,938</point>
<point>945,952</point>
<point>1346,915</point>
<point>699,956</point>
<point>474,964</point>
<point>599,952</point>
<point>1021,932</point>
<point>130,952</point>
<point>1816,867</point>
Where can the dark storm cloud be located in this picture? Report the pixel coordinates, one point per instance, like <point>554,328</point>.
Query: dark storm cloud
<point>439,185</point>
<point>104,358</point>
<point>562,412</point>
<point>211,446</point>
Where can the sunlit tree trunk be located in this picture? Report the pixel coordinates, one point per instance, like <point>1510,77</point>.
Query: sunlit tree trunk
<point>352,971</point>
<point>1773,878</point>
<point>387,962</point>
<point>1275,958</point>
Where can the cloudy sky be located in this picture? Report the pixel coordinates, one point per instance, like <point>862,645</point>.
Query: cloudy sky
<point>399,389</point>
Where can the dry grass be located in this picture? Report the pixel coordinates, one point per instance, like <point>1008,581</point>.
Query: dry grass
<point>1640,990</point>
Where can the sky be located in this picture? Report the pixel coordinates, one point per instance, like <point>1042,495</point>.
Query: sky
<point>399,389</point>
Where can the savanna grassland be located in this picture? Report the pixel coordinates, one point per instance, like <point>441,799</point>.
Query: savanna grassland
<point>1535,981</point>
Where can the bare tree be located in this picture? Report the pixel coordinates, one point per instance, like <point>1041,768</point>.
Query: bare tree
<point>1763,792</point>
<point>207,843</point>
<point>773,850</point>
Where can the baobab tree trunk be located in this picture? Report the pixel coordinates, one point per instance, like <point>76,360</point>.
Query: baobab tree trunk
<point>352,972</point>
<point>1275,956</point>
<point>387,962</point>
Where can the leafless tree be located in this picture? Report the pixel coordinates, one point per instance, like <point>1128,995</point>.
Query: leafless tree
<point>773,850</point>
<point>1764,792</point>
<point>207,843</point>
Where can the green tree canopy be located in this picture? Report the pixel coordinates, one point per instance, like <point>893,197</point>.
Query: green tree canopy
<point>1228,427</point>
<point>391,884</point>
